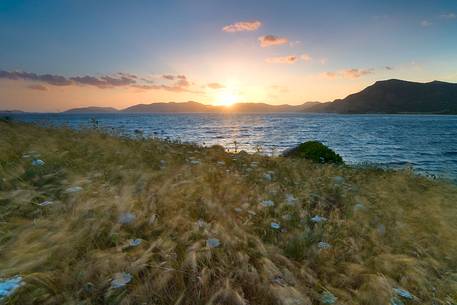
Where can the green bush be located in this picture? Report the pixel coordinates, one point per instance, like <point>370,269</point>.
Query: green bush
<point>315,151</point>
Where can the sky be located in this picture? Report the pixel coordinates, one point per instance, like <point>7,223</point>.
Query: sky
<point>56,55</point>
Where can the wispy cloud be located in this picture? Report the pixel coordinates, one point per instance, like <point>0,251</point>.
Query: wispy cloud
<point>103,81</point>
<point>279,88</point>
<point>305,57</point>
<point>271,40</point>
<point>290,59</point>
<point>216,86</point>
<point>59,80</point>
<point>323,61</point>
<point>242,26</point>
<point>425,23</point>
<point>180,82</point>
<point>38,87</point>
<point>282,59</point>
<point>55,80</point>
<point>168,76</point>
<point>348,73</point>
<point>448,16</point>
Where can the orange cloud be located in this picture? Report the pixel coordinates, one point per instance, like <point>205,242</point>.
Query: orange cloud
<point>282,59</point>
<point>242,26</point>
<point>348,73</point>
<point>271,40</point>
<point>216,86</point>
<point>288,59</point>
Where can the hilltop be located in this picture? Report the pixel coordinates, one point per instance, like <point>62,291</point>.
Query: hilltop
<point>397,96</point>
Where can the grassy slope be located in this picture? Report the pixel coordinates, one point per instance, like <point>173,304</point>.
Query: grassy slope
<point>403,236</point>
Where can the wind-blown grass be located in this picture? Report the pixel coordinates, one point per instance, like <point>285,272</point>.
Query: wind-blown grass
<point>382,229</point>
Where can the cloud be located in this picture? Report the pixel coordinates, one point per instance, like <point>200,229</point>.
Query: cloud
<point>103,81</point>
<point>242,26</point>
<point>180,84</point>
<point>271,40</point>
<point>448,16</point>
<point>425,23</point>
<point>356,73</point>
<point>55,80</point>
<point>168,76</point>
<point>389,68</point>
<point>144,86</point>
<point>129,75</point>
<point>305,57</point>
<point>38,87</point>
<point>58,80</point>
<point>216,86</point>
<point>147,80</point>
<point>282,59</point>
<point>290,59</point>
<point>279,88</point>
<point>348,73</point>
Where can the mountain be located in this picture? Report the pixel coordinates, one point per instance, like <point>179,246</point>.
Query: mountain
<point>262,107</point>
<point>170,107</point>
<point>397,96</point>
<point>388,96</point>
<point>11,111</point>
<point>197,107</point>
<point>92,110</point>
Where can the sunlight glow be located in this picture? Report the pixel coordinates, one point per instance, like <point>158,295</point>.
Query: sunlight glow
<point>226,98</point>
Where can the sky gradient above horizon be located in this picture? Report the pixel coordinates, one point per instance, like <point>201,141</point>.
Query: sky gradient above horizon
<point>56,55</point>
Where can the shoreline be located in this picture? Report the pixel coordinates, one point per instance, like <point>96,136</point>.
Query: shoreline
<point>273,143</point>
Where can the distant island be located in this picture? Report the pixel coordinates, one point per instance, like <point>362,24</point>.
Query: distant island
<point>92,110</point>
<point>388,96</point>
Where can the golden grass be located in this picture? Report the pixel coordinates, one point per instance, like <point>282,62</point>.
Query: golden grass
<point>387,229</point>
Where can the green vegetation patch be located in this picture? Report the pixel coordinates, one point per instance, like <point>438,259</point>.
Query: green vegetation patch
<point>315,151</point>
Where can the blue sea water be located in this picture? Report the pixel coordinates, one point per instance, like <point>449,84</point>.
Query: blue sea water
<point>427,143</point>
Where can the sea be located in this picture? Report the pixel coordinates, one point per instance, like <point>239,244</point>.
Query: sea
<point>425,143</point>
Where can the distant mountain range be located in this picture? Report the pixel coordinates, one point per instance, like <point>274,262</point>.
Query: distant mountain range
<point>194,107</point>
<point>388,96</point>
<point>397,96</point>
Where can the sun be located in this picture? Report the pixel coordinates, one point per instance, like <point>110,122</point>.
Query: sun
<point>226,98</point>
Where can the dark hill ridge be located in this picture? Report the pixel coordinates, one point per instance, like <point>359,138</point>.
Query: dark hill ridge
<point>397,96</point>
<point>92,110</point>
